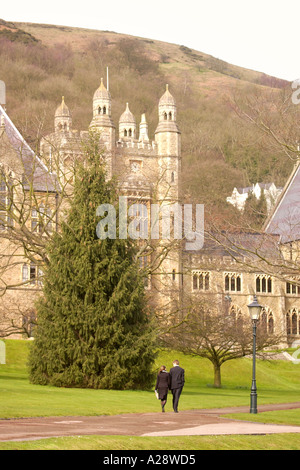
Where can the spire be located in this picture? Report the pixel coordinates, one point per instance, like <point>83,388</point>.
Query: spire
<point>143,129</point>
<point>127,124</point>
<point>102,93</point>
<point>167,134</point>
<point>102,120</point>
<point>167,113</point>
<point>62,119</point>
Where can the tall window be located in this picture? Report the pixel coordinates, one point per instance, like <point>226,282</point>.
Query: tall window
<point>6,219</point>
<point>201,280</point>
<point>293,288</point>
<point>267,320</point>
<point>293,322</point>
<point>32,274</point>
<point>263,284</point>
<point>41,219</point>
<point>235,316</point>
<point>233,282</point>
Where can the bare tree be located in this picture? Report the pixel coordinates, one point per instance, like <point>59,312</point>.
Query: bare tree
<point>212,331</point>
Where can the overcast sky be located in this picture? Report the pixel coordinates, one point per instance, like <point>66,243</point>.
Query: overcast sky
<point>261,35</point>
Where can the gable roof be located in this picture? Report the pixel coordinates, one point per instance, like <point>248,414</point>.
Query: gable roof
<point>34,171</point>
<point>284,219</point>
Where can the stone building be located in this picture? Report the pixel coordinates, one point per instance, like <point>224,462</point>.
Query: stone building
<point>28,198</point>
<point>148,172</point>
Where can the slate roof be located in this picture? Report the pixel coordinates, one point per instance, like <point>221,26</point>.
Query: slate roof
<point>34,170</point>
<point>284,220</point>
<point>251,245</point>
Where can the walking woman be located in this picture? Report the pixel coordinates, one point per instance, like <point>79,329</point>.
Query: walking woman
<point>162,386</point>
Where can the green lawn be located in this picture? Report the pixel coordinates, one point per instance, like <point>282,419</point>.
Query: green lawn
<point>277,381</point>
<point>270,442</point>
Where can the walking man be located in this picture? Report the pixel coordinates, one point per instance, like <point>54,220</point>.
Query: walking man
<point>176,376</point>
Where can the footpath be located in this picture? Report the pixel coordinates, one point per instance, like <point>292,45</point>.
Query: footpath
<point>185,423</point>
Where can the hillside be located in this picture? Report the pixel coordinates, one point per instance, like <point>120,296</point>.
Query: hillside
<point>41,63</point>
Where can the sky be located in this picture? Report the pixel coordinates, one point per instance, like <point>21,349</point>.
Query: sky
<point>261,35</point>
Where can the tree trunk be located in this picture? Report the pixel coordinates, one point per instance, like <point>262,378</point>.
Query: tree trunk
<point>217,376</point>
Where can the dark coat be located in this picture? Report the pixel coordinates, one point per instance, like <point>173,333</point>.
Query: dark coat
<point>176,377</point>
<point>162,384</point>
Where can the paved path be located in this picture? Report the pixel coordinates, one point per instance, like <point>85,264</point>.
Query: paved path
<point>191,422</point>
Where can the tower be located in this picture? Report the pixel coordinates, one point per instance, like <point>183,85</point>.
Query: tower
<point>62,118</point>
<point>102,120</point>
<point>167,134</point>
<point>127,125</point>
<point>168,140</point>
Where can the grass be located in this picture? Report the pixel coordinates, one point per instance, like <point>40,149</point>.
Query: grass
<point>278,382</point>
<point>291,417</point>
<point>182,443</point>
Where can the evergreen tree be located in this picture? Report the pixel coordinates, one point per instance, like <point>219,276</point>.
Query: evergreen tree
<point>93,328</point>
<point>255,210</point>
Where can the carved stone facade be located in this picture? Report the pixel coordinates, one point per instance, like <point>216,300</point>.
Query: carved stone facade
<point>148,172</point>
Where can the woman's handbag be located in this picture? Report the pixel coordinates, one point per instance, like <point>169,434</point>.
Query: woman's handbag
<point>156,394</point>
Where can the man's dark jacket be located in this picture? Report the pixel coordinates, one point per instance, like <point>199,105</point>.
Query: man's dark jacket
<point>176,377</point>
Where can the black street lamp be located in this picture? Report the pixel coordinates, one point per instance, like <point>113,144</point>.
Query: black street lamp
<point>254,311</point>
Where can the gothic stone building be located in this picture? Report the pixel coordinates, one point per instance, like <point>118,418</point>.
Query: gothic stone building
<point>148,171</point>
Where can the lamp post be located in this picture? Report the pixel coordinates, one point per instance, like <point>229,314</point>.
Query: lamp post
<point>254,311</point>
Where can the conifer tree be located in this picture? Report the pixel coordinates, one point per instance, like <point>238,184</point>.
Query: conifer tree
<point>93,328</point>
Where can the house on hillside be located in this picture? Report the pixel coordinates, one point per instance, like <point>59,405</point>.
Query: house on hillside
<point>240,195</point>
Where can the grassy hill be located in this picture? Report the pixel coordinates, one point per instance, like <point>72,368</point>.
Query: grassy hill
<point>41,63</point>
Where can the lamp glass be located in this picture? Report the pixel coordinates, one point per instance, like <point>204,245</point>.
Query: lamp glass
<point>254,309</point>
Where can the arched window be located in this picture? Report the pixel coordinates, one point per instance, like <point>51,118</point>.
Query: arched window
<point>130,132</point>
<point>233,282</point>
<point>201,280</point>
<point>99,110</point>
<point>170,116</point>
<point>104,110</point>
<point>235,316</point>
<point>263,284</point>
<point>172,177</point>
<point>293,322</point>
<point>173,275</point>
<point>165,116</point>
<point>288,324</point>
<point>267,320</point>
<point>271,324</point>
<point>125,132</point>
